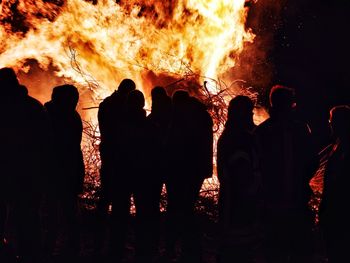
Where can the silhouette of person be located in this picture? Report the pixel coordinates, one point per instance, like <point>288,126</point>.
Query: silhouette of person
<point>132,177</point>
<point>288,161</point>
<point>189,149</point>
<point>111,115</point>
<point>23,160</point>
<point>160,113</point>
<point>111,120</point>
<point>8,81</point>
<point>67,171</point>
<point>158,125</point>
<point>333,218</point>
<point>145,185</point>
<point>239,178</point>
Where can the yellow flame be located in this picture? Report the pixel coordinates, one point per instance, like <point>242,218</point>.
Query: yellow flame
<point>112,41</point>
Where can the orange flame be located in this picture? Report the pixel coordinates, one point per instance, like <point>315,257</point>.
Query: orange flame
<point>110,41</point>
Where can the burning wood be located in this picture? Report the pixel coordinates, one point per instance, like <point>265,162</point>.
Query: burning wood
<point>96,44</point>
<point>112,40</point>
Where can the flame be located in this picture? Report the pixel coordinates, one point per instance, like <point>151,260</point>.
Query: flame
<point>108,41</point>
<point>104,42</point>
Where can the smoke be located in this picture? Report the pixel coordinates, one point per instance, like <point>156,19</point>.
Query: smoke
<point>255,64</point>
<point>153,42</point>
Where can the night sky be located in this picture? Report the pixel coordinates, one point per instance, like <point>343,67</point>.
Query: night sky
<point>311,53</point>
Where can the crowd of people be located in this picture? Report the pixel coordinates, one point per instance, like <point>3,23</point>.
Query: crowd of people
<point>264,173</point>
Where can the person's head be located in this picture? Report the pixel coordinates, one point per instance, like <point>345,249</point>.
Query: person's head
<point>180,97</point>
<point>158,92</point>
<point>66,97</point>
<point>240,111</point>
<point>196,104</point>
<point>8,81</point>
<point>160,100</point>
<point>282,98</point>
<point>126,86</point>
<point>23,90</point>
<point>340,121</point>
<point>136,100</point>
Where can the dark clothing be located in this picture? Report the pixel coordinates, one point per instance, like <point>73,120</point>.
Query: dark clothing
<point>120,220</point>
<point>144,181</point>
<point>67,176</point>
<point>288,236</point>
<point>158,122</point>
<point>238,175</point>
<point>23,159</point>
<point>288,162</point>
<point>239,199</point>
<point>190,142</point>
<point>334,219</point>
<point>111,113</point>
<point>287,159</point>
<point>158,125</point>
<point>132,171</point>
<point>148,194</point>
<point>116,184</point>
<point>68,169</point>
<point>189,148</point>
<point>111,120</point>
<point>25,132</point>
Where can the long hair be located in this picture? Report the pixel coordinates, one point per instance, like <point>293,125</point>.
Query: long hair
<point>240,113</point>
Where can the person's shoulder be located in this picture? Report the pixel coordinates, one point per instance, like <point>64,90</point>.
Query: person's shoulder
<point>34,103</point>
<point>151,120</point>
<point>208,117</point>
<point>109,98</point>
<point>49,107</point>
<point>150,116</point>
<point>265,125</point>
<point>222,143</point>
<point>112,101</point>
<point>76,115</point>
<point>104,102</point>
<point>35,109</point>
<point>225,138</point>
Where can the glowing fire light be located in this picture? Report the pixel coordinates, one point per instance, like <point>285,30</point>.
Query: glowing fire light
<point>111,41</point>
<point>106,41</point>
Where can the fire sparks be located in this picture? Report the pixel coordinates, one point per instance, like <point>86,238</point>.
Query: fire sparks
<point>111,40</point>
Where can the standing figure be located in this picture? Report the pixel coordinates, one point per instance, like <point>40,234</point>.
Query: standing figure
<point>140,178</point>
<point>158,124</point>
<point>67,171</point>
<point>111,117</point>
<point>239,178</point>
<point>334,220</point>
<point>111,120</point>
<point>190,153</point>
<point>288,161</point>
<point>23,161</point>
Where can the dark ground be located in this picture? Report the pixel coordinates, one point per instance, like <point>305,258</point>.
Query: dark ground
<point>87,222</point>
<point>209,241</point>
